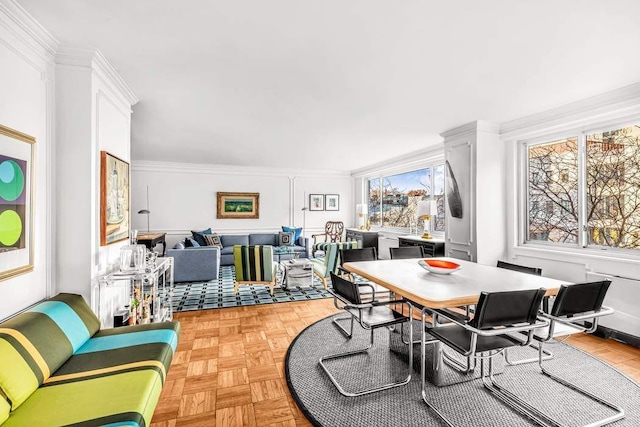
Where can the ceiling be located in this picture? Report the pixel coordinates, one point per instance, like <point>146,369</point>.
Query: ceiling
<point>337,84</point>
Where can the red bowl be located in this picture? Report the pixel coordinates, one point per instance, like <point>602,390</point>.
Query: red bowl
<point>439,266</point>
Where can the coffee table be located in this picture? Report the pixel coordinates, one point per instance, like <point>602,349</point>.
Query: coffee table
<point>297,272</point>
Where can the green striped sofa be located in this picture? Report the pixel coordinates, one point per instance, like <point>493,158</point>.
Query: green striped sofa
<point>57,367</point>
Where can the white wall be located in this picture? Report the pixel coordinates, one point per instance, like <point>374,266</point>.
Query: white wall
<point>182,197</point>
<point>26,94</point>
<point>94,114</point>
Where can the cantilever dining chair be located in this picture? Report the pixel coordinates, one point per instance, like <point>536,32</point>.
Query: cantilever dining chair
<point>498,318</point>
<point>580,307</point>
<point>370,316</point>
<point>406,252</point>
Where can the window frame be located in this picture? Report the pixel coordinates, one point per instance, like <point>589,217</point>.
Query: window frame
<point>522,203</point>
<point>399,171</point>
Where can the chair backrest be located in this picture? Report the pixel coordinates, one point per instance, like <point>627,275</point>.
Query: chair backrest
<point>520,268</point>
<point>580,298</point>
<point>345,290</point>
<point>334,230</point>
<point>332,254</point>
<point>507,308</point>
<point>253,263</point>
<point>355,255</point>
<point>406,252</point>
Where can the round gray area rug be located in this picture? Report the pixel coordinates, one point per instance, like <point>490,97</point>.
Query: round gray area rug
<point>465,404</point>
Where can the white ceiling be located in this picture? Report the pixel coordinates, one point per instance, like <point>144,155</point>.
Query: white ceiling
<point>341,84</point>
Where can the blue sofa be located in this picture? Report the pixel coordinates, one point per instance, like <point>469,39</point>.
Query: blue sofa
<point>203,263</point>
<point>226,255</point>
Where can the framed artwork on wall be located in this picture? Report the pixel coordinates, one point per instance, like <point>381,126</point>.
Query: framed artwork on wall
<point>316,202</point>
<point>17,151</point>
<point>114,199</point>
<point>331,202</point>
<point>238,205</point>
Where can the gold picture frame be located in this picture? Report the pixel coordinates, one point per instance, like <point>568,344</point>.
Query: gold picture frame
<point>238,205</point>
<point>17,154</point>
<point>115,215</point>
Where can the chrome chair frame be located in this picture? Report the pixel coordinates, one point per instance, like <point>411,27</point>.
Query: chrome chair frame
<point>593,317</point>
<point>514,333</point>
<point>356,312</point>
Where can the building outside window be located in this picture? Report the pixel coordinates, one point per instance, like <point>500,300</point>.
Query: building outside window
<point>590,200</point>
<point>393,199</point>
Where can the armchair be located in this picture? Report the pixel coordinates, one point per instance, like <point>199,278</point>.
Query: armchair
<point>327,264</point>
<point>332,233</point>
<point>254,264</point>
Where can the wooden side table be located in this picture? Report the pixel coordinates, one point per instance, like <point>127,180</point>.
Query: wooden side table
<point>150,240</point>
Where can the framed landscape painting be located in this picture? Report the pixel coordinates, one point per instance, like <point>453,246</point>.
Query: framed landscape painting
<point>114,199</point>
<point>316,202</point>
<point>16,202</point>
<point>238,205</point>
<point>331,202</point>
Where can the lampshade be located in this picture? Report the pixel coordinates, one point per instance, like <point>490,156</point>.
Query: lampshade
<point>424,208</point>
<point>361,208</point>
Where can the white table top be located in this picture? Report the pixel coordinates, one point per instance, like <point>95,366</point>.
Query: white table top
<point>463,287</point>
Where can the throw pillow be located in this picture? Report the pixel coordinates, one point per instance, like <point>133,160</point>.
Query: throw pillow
<point>297,232</point>
<point>213,240</point>
<point>285,239</point>
<point>191,243</point>
<point>198,236</point>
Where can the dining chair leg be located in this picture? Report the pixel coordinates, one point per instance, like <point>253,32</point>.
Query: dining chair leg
<point>547,356</point>
<point>346,333</point>
<point>619,412</point>
<point>387,386</point>
<point>423,367</point>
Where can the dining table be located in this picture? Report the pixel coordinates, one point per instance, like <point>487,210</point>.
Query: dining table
<point>410,279</point>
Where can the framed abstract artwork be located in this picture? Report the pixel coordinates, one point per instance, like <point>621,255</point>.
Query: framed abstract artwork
<point>331,202</point>
<point>316,202</point>
<point>17,151</point>
<point>114,199</point>
<point>238,205</point>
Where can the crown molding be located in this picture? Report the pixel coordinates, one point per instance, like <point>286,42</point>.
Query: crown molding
<point>409,161</point>
<point>76,56</point>
<point>195,168</point>
<point>27,29</point>
<point>620,102</point>
<point>471,128</point>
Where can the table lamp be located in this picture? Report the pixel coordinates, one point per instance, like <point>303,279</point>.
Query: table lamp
<point>426,210</point>
<point>361,211</point>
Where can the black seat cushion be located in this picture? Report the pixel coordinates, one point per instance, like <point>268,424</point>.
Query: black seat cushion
<point>459,339</point>
<point>375,317</point>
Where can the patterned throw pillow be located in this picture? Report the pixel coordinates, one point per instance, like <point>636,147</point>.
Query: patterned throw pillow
<point>296,232</point>
<point>213,240</point>
<point>198,236</point>
<point>285,239</point>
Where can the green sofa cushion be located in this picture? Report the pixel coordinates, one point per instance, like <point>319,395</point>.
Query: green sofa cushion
<point>110,399</point>
<point>38,341</point>
<point>4,410</point>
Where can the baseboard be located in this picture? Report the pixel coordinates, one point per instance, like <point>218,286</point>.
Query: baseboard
<point>604,332</point>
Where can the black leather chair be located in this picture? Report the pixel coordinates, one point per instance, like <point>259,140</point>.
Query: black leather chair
<point>579,306</point>
<point>545,306</point>
<point>407,252</point>
<point>371,316</point>
<point>498,318</point>
<point>521,268</point>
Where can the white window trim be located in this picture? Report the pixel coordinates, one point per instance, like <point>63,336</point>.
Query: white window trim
<point>521,193</point>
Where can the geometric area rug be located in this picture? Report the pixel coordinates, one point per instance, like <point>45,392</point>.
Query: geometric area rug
<point>188,296</point>
<point>465,403</point>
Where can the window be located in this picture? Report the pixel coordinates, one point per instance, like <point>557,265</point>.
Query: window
<point>393,199</point>
<point>590,200</point>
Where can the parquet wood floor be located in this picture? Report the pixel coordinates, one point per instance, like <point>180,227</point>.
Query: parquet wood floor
<point>228,369</point>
